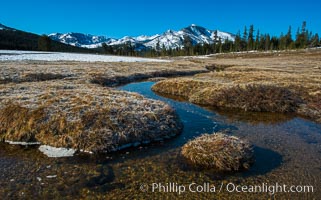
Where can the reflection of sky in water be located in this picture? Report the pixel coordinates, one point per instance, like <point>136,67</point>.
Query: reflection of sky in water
<point>196,120</point>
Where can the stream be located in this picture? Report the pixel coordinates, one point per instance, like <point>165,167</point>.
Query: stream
<point>287,151</point>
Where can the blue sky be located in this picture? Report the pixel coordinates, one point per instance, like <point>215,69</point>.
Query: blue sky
<point>117,18</point>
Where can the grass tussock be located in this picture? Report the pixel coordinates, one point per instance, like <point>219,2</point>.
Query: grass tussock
<point>183,87</point>
<point>251,97</point>
<point>247,97</point>
<point>218,151</point>
<point>85,117</point>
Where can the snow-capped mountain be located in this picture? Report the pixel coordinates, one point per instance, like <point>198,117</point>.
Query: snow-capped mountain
<point>169,39</point>
<point>80,39</point>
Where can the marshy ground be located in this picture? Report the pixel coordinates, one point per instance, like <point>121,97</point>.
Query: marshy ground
<point>264,82</point>
<point>64,104</point>
<point>286,147</point>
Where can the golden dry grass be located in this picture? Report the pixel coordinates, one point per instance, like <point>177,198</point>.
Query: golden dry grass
<point>66,110</point>
<point>219,151</point>
<point>275,82</point>
<point>22,71</point>
<point>82,116</point>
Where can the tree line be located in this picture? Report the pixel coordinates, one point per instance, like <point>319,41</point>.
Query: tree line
<point>249,40</point>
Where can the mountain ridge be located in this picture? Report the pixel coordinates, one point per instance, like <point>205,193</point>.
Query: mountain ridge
<point>169,39</point>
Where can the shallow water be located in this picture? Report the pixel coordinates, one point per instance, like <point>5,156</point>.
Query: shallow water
<point>287,151</point>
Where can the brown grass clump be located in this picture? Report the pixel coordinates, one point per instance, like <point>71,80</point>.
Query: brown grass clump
<point>84,117</point>
<point>254,97</point>
<point>219,151</point>
<point>180,86</point>
<point>247,97</point>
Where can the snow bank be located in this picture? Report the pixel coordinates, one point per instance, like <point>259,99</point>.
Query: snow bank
<point>11,55</point>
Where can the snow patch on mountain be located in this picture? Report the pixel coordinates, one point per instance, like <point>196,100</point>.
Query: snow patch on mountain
<point>80,40</point>
<point>169,39</point>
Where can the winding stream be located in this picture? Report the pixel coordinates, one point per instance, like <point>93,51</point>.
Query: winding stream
<point>287,151</point>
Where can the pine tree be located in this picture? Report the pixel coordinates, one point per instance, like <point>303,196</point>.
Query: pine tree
<point>288,41</point>
<point>245,34</point>
<point>267,42</point>
<point>250,40</point>
<point>158,45</point>
<point>262,42</point>
<point>282,44</point>
<point>237,42</point>
<point>215,41</point>
<point>257,40</point>
<point>220,45</point>
<point>107,49</point>
<point>274,43</point>
<point>163,50</point>
<point>188,45</point>
<point>244,40</point>
<point>315,41</point>
<point>302,37</point>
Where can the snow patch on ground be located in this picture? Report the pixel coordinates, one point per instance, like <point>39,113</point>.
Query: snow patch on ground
<point>54,152</point>
<point>12,55</point>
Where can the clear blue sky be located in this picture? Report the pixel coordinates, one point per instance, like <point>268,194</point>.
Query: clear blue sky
<point>117,18</point>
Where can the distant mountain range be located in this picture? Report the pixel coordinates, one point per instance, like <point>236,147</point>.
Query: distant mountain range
<point>13,39</point>
<point>169,39</point>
